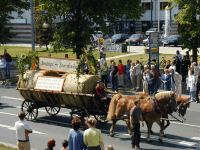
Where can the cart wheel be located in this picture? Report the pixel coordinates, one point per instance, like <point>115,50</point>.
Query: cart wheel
<point>81,113</point>
<point>101,118</point>
<point>52,111</point>
<point>30,108</point>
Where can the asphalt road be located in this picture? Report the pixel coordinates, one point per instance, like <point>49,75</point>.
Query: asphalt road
<point>178,135</point>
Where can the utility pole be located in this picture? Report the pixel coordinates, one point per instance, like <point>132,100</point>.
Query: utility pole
<point>32,27</point>
<point>151,14</point>
<point>158,17</point>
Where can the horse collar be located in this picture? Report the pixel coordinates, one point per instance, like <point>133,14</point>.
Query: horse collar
<point>158,108</point>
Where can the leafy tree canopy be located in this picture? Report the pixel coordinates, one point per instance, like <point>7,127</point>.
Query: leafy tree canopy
<point>80,15</point>
<point>6,8</point>
<point>189,24</point>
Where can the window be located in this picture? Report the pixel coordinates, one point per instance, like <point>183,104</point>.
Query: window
<point>163,5</point>
<point>147,6</point>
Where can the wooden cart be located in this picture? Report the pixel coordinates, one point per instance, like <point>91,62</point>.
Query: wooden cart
<point>53,101</point>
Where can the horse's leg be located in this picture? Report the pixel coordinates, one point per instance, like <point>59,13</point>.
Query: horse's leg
<point>112,127</point>
<point>128,125</point>
<point>150,123</point>
<point>147,127</point>
<point>161,130</point>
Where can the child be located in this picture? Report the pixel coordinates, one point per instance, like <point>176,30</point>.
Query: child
<point>110,147</point>
<point>65,144</point>
<point>191,85</point>
<point>132,74</point>
<point>145,84</point>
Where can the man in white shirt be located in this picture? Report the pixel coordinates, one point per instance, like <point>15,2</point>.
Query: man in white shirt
<point>176,82</point>
<point>138,74</point>
<point>22,131</point>
<point>179,55</point>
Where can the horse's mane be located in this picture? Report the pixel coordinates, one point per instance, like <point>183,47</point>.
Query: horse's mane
<point>163,95</point>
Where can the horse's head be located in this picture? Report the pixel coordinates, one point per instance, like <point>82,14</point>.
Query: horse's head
<point>168,98</point>
<point>183,104</point>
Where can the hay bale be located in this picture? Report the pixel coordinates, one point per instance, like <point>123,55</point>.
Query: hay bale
<point>85,84</point>
<point>29,80</point>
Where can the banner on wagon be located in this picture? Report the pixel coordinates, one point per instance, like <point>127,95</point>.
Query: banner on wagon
<point>49,83</point>
<point>58,64</point>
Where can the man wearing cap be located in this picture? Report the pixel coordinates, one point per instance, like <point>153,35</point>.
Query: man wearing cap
<point>100,95</point>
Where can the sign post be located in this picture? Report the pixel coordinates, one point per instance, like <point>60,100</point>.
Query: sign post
<point>154,49</point>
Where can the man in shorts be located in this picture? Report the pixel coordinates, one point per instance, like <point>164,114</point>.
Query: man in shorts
<point>22,131</point>
<point>2,70</point>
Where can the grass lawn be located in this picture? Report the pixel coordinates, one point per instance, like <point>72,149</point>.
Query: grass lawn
<point>3,147</point>
<point>142,57</point>
<point>17,51</point>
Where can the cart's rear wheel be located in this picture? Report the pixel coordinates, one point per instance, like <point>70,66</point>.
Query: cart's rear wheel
<point>52,111</point>
<point>81,113</point>
<point>101,118</point>
<point>30,108</point>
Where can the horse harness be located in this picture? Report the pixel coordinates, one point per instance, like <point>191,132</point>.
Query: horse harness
<point>157,108</point>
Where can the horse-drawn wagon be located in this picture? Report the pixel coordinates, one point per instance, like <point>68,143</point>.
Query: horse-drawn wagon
<point>76,95</point>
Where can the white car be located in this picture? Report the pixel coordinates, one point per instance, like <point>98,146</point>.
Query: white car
<point>152,30</point>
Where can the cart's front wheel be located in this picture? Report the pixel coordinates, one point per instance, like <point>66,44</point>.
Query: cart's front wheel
<point>81,113</point>
<point>30,108</point>
<point>101,118</point>
<point>52,111</point>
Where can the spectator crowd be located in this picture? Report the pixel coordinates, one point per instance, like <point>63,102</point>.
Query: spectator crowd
<point>177,74</point>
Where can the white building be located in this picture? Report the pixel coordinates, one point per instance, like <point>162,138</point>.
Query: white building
<point>22,26</point>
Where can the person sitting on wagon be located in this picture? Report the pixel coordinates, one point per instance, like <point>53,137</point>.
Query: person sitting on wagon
<point>100,95</point>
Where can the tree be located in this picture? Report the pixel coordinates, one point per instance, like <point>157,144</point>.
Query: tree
<point>80,15</point>
<point>189,25</point>
<point>6,8</point>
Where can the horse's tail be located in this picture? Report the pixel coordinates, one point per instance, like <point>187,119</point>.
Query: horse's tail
<point>112,107</point>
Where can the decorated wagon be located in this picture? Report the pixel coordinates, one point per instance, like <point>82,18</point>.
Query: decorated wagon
<point>52,90</point>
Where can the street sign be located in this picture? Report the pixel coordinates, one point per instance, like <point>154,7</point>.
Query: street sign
<point>154,49</point>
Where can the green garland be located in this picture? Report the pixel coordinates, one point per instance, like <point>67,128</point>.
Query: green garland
<point>92,65</point>
<point>26,61</point>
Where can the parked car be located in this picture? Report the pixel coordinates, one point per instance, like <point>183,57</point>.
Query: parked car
<point>152,30</point>
<point>172,40</point>
<point>135,39</point>
<point>118,38</point>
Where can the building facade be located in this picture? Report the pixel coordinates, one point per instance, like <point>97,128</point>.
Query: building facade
<point>22,26</point>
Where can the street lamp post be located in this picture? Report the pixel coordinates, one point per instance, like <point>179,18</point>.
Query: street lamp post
<point>32,27</point>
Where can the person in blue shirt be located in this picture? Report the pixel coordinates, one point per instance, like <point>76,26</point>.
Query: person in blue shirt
<point>149,78</point>
<point>75,137</point>
<point>166,80</point>
<point>128,67</point>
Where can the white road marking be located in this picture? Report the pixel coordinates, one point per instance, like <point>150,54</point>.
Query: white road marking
<point>13,128</point>
<point>186,143</point>
<point>171,141</point>
<point>19,99</point>
<point>184,124</point>
<point>195,138</point>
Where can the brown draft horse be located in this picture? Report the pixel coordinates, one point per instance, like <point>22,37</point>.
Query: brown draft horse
<point>151,113</point>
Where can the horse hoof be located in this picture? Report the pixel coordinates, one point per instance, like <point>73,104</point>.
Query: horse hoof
<point>160,140</point>
<point>112,135</point>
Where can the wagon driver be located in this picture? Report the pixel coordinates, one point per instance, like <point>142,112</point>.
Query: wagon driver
<point>100,95</point>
